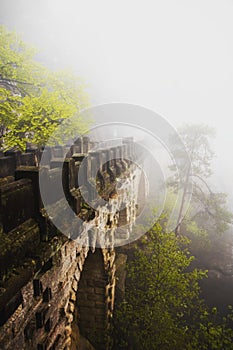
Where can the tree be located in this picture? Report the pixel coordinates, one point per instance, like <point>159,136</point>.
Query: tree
<point>207,208</point>
<point>34,100</point>
<point>161,309</point>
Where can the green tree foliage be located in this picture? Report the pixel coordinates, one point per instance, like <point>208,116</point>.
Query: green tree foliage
<point>162,309</point>
<point>33,99</point>
<point>208,209</point>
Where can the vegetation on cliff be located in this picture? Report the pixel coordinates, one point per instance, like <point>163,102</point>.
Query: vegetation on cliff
<point>162,308</point>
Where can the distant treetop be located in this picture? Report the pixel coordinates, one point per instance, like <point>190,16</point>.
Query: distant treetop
<point>33,99</point>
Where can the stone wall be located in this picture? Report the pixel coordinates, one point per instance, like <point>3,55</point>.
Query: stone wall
<point>96,293</point>
<point>57,293</point>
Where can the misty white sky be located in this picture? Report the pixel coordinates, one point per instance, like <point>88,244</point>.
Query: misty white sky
<point>173,56</point>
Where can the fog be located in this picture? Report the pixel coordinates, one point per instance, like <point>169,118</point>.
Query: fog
<point>172,56</point>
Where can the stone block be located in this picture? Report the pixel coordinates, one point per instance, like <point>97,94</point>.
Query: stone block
<point>71,307</point>
<point>57,152</point>
<point>84,310</point>
<point>27,159</point>
<point>96,297</point>
<point>43,344</point>
<point>56,163</point>
<point>12,296</point>
<point>16,203</point>
<point>68,330</point>
<point>47,295</point>
<point>6,180</point>
<point>70,318</point>
<point>72,296</point>
<point>48,325</point>
<point>100,305</point>
<point>77,274</point>
<point>100,291</point>
<point>15,154</point>
<point>75,285</point>
<point>7,166</point>
<point>46,153</point>
<point>29,330</point>
<point>86,144</point>
<point>100,319</point>
<point>42,315</point>
<point>37,287</point>
<point>32,173</point>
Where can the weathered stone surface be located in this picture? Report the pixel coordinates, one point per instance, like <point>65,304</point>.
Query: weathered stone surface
<point>7,166</point>
<point>32,173</point>
<point>120,262</point>
<point>27,159</point>
<point>58,285</point>
<point>6,180</point>
<point>19,243</point>
<point>16,203</point>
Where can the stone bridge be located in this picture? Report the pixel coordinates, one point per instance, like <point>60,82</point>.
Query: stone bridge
<point>57,292</point>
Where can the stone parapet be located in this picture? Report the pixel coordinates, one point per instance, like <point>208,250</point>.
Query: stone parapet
<point>55,292</point>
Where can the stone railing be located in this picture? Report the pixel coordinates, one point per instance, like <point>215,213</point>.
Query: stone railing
<point>40,267</point>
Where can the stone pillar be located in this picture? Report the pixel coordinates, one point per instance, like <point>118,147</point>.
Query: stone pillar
<point>129,142</point>
<point>17,203</point>
<point>124,163</point>
<point>15,154</point>
<point>124,151</point>
<point>47,155</point>
<point>32,173</point>
<point>36,152</point>
<point>72,175</point>
<point>7,166</point>
<point>110,164</point>
<point>66,180</point>
<point>119,164</point>
<point>68,151</point>
<point>78,158</point>
<point>78,145</point>
<point>96,162</point>
<point>86,144</point>
<point>57,152</point>
<point>104,157</point>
